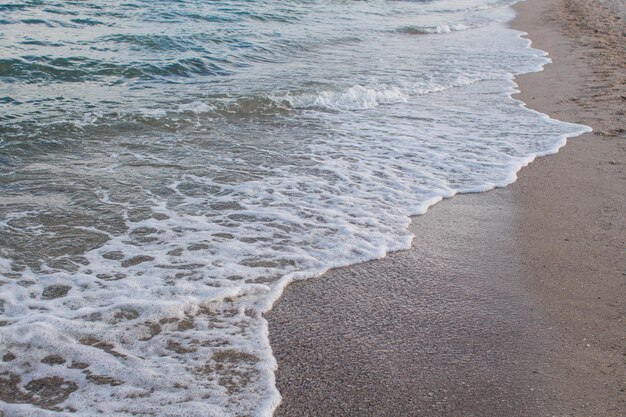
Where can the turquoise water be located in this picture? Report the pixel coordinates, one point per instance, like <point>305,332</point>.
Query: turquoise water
<point>167,167</point>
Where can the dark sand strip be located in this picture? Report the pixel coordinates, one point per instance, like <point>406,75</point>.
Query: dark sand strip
<point>511,302</point>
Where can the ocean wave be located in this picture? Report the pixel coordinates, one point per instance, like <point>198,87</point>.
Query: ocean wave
<point>79,69</point>
<point>354,98</point>
<point>194,114</point>
<point>429,30</point>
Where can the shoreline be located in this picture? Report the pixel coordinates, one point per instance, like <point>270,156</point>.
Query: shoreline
<point>520,317</point>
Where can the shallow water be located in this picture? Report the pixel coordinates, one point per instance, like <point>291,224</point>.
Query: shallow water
<point>166,167</point>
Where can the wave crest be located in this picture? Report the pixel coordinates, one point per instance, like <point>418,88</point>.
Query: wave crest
<point>432,30</point>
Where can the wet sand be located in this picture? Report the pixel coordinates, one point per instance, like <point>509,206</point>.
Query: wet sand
<point>510,302</point>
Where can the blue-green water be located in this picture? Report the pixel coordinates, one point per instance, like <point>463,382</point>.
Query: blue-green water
<point>167,167</point>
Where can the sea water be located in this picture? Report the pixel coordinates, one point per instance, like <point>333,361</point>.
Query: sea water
<point>167,167</point>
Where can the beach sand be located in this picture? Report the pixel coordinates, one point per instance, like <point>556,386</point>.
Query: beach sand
<point>510,302</point>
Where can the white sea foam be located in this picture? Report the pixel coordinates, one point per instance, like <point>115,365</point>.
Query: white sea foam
<point>354,98</point>
<point>443,28</point>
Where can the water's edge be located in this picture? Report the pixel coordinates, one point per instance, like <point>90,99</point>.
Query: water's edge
<point>274,296</point>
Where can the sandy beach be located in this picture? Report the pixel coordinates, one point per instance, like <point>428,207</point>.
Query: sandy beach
<point>510,302</point>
